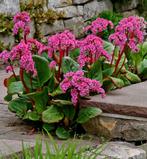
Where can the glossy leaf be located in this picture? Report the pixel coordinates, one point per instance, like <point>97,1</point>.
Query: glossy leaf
<point>133,78</point>
<point>117,82</point>
<point>48,127</point>
<point>40,99</point>
<point>15,87</point>
<point>96,71</point>
<point>43,71</point>
<point>34,116</point>
<point>19,106</point>
<point>52,115</point>
<point>86,114</point>
<point>62,133</point>
<point>69,111</point>
<point>68,64</point>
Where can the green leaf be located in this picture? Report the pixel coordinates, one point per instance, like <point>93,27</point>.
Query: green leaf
<point>19,106</point>
<point>144,48</point>
<point>109,47</point>
<point>86,114</point>
<point>48,127</point>
<point>43,71</point>
<point>74,53</point>
<point>15,87</point>
<point>117,82</point>
<point>108,72</point>
<point>52,115</point>
<point>51,84</point>
<point>62,133</point>
<point>60,102</point>
<point>126,81</point>
<point>40,99</point>
<point>34,116</point>
<point>133,78</point>
<point>56,92</point>
<point>68,64</point>
<point>69,111</point>
<point>96,71</point>
<point>8,97</point>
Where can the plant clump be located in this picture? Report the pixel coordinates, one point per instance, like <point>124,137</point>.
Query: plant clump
<point>54,77</point>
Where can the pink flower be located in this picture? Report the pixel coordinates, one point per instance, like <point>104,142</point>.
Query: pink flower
<point>99,25</point>
<point>21,21</point>
<point>129,31</point>
<point>79,85</point>
<point>9,69</point>
<point>52,64</point>
<point>91,48</point>
<point>64,41</point>
<point>5,55</point>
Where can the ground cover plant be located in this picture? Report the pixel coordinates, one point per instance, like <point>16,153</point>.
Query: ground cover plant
<point>53,77</point>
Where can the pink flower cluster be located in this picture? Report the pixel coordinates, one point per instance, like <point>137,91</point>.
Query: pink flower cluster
<point>23,53</point>
<point>64,41</point>
<point>80,85</point>
<point>91,48</point>
<point>99,25</point>
<point>129,32</point>
<point>21,21</point>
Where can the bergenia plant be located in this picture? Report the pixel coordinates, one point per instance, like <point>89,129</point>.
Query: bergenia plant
<point>53,77</point>
<point>49,84</point>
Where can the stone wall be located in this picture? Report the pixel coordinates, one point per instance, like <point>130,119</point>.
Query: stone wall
<point>75,12</point>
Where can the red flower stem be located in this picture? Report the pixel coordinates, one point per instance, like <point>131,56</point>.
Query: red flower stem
<point>61,52</point>
<point>119,58</point>
<point>23,82</point>
<point>121,66</point>
<point>13,71</point>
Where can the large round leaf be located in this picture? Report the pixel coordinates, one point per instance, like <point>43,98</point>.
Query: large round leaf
<point>15,87</point>
<point>52,115</point>
<point>34,116</point>
<point>68,64</point>
<point>119,83</point>
<point>43,71</point>
<point>62,133</point>
<point>19,106</point>
<point>133,78</point>
<point>87,113</point>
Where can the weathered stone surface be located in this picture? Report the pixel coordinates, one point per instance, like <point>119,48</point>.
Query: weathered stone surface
<point>80,1</point>
<point>9,6</point>
<point>59,3</point>
<point>118,127</point>
<point>7,39</point>
<point>48,29</point>
<point>9,148</point>
<point>80,9</point>
<point>130,13</point>
<point>69,11</point>
<point>131,100</point>
<point>76,25</point>
<point>126,5</point>
<point>95,7</point>
<point>123,150</point>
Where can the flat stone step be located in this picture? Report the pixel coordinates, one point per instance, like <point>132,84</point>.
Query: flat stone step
<point>11,148</point>
<point>130,100</point>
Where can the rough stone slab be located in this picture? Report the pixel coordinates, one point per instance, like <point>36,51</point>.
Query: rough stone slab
<point>9,6</point>
<point>59,3</point>
<point>69,11</point>
<point>127,6</point>
<point>123,150</point>
<point>76,25</point>
<point>131,100</point>
<point>114,126</point>
<point>8,148</point>
<point>47,29</point>
<point>80,1</point>
<point>95,7</point>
